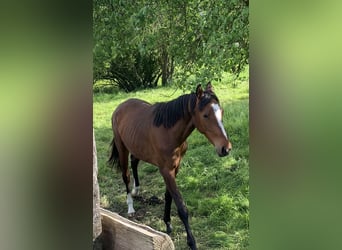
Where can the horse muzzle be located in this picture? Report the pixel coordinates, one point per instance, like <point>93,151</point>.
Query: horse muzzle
<point>224,151</point>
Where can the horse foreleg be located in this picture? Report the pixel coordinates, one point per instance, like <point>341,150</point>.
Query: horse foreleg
<point>167,211</point>
<point>136,186</point>
<point>169,178</point>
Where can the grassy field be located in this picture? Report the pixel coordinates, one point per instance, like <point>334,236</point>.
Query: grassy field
<point>215,190</point>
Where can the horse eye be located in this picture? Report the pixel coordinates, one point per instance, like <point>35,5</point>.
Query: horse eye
<point>206,116</point>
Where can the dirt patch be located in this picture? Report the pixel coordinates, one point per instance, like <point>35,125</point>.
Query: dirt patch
<point>145,206</point>
<point>153,200</point>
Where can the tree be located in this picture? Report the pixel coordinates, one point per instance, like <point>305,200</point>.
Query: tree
<point>178,38</point>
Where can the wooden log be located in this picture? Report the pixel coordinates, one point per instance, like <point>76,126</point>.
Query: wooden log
<point>121,233</point>
<point>97,226</point>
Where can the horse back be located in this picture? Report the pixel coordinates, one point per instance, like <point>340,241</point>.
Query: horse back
<point>132,122</point>
<point>131,108</point>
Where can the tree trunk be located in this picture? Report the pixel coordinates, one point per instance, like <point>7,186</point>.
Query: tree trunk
<point>165,66</point>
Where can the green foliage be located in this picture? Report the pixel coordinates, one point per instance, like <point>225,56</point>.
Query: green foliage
<point>135,44</point>
<point>105,86</point>
<point>215,190</point>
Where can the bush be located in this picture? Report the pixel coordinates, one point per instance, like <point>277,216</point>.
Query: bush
<point>105,86</point>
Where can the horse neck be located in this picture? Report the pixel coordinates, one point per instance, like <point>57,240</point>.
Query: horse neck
<point>187,124</point>
<point>183,129</point>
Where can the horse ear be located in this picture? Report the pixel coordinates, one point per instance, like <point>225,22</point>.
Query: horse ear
<point>199,91</point>
<point>209,87</point>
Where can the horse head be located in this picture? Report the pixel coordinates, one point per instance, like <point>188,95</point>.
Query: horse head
<point>208,120</point>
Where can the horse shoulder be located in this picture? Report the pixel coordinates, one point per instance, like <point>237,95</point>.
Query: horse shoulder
<point>169,157</point>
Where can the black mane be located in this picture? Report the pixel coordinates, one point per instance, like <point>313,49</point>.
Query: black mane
<point>168,113</point>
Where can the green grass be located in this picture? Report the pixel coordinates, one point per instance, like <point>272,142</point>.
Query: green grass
<point>214,189</point>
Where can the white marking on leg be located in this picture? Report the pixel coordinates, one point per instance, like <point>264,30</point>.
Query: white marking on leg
<point>218,115</point>
<point>135,190</point>
<point>130,204</point>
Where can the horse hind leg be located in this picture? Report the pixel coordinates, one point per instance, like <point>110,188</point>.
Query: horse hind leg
<point>126,178</point>
<point>136,185</point>
<point>131,210</point>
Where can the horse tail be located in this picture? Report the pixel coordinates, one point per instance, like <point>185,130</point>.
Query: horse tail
<point>114,156</point>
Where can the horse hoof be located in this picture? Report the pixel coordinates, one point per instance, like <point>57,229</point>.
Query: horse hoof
<point>130,215</point>
<point>135,192</point>
<point>131,212</point>
<point>192,246</point>
<point>169,228</point>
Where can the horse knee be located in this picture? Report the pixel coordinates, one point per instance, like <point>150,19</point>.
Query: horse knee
<point>126,177</point>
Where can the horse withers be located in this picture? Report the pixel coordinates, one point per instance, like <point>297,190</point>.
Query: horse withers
<point>157,134</point>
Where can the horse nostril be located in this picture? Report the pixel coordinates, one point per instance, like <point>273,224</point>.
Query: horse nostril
<point>225,151</point>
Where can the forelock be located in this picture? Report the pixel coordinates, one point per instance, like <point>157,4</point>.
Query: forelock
<point>207,97</point>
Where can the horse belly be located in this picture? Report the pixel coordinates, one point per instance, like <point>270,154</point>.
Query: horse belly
<point>134,128</point>
<point>145,147</point>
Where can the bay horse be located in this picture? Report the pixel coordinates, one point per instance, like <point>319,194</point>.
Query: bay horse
<point>157,134</point>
